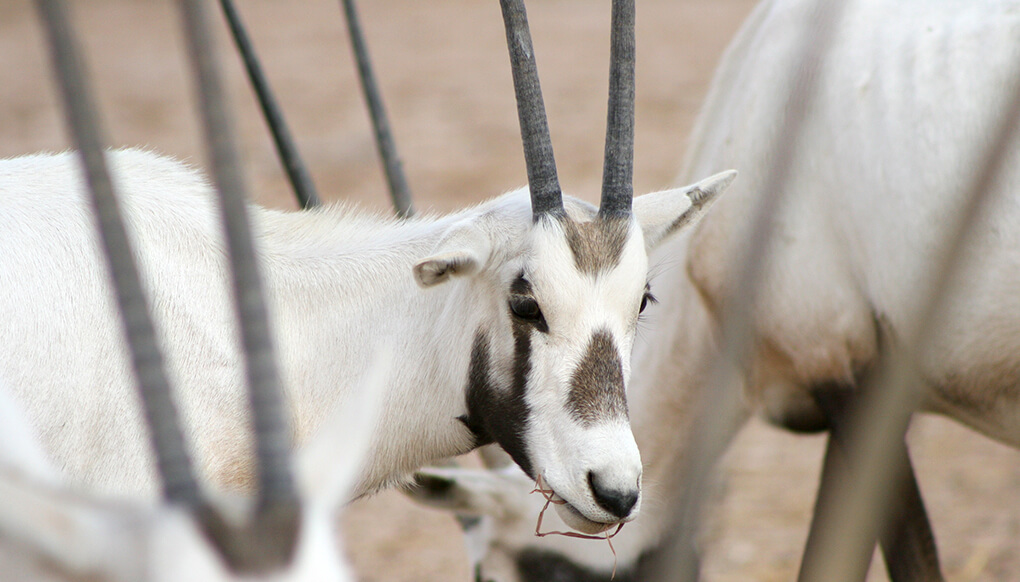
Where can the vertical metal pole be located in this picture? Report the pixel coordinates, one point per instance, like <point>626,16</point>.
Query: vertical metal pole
<point>293,165</point>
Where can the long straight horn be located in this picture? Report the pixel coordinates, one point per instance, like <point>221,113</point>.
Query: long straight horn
<point>618,168</point>
<point>286,149</point>
<point>400,192</point>
<point>546,197</point>
<point>272,436</point>
<point>179,485</point>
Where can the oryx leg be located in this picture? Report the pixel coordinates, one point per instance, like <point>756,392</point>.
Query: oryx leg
<point>907,541</point>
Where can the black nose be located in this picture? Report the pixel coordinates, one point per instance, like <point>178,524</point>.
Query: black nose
<point>617,502</point>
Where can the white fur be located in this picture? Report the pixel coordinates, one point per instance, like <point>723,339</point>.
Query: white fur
<point>51,530</point>
<point>339,285</point>
<point>907,101</point>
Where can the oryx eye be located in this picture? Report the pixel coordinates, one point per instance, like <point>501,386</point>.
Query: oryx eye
<point>523,305</point>
<point>525,308</point>
<point>645,300</point>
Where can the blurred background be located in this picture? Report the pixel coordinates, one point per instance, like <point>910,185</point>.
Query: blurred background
<point>444,74</point>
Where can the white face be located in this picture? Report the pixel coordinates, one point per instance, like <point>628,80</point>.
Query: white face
<point>561,438</point>
<point>549,375</point>
<point>548,368</point>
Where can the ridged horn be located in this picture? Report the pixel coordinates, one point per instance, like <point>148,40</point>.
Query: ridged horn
<point>546,197</point>
<point>272,433</point>
<point>618,167</point>
<point>174,465</point>
<point>270,538</point>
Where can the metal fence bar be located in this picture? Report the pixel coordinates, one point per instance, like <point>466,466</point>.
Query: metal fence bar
<point>399,191</point>
<point>723,401</point>
<point>271,428</point>
<point>293,165</point>
<point>179,485</point>
<point>863,498</point>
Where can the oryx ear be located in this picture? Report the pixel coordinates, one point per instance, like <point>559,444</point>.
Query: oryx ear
<point>471,492</point>
<point>662,213</point>
<point>462,250</point>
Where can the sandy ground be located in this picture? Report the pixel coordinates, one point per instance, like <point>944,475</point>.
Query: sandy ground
<point>445,76</point>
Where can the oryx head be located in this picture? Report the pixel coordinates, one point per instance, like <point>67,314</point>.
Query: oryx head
<point>566,284</point>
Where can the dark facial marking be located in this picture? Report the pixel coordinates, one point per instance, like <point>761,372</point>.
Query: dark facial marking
<point>478,383</point>
<point>495,413</point>
<point>521,286</point>
<point>596,388</point>
<point>597,244</point>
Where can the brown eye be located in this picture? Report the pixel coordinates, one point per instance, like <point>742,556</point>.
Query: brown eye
<point>525,308</point>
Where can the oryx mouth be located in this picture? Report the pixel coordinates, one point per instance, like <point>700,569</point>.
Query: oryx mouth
<point>592,532</point>
<point>570,516</point>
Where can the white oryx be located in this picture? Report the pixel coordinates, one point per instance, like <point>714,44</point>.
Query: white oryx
<point>52,530</point>
<point>910,95</point>
<point>511,322</point>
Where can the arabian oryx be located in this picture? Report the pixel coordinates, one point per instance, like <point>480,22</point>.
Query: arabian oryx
<point>51,530</point>
<point>511,321</point>
<point>909,97</point>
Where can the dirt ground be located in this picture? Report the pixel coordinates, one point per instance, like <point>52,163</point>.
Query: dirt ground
<point>445,77</point>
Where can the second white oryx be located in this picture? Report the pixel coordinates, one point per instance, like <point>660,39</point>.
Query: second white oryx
<point>510,322</point>
<point>51,530</point>
<point>908,100</point>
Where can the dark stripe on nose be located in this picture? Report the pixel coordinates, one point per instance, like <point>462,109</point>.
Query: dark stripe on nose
<point>596,388</point>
